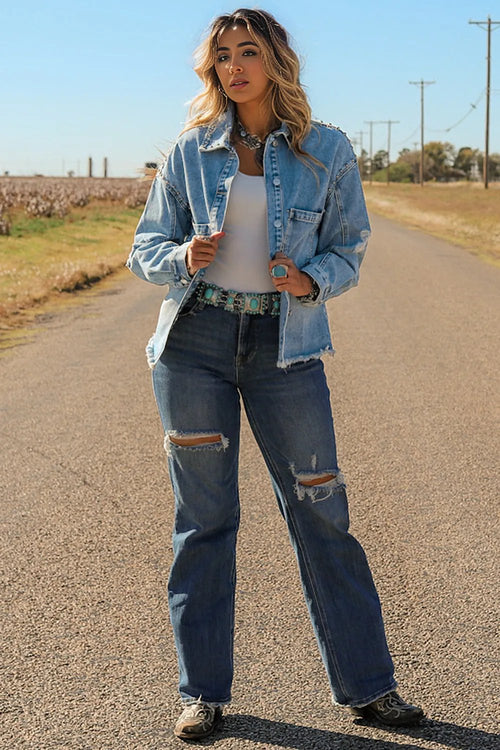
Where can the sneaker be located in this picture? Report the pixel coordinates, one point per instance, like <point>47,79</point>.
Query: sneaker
<point>197,720</point>
<point>390,709</point>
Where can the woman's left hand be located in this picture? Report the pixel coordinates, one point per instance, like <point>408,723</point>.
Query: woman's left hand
<point>295,282</point>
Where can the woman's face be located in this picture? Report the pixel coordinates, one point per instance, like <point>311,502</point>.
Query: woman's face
<point>238,65</point>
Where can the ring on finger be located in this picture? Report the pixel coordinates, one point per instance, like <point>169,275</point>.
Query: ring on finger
<point>279,271</point>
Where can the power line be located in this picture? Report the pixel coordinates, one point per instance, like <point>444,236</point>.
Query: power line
<point>489,23</point>
<point>473,106</point>
<point>400,143</point>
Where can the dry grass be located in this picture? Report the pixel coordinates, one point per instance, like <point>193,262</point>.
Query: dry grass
<point>464,214</point>
<point>42,261</point>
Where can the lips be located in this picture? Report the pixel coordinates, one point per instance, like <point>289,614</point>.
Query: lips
<point>238,83</point>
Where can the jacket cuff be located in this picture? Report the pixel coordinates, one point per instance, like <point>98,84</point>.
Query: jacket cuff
<point>318,289</point>
<point>313,295</point>
<point>177,258</point>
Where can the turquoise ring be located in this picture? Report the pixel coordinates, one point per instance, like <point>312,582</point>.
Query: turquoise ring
<point>279,271</point>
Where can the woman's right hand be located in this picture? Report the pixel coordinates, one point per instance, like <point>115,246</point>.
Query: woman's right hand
<point>201,251</point>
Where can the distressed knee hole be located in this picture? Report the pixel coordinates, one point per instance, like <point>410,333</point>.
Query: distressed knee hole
<point>195,441</point>
<point>317,486</point>
<point>317,480</point>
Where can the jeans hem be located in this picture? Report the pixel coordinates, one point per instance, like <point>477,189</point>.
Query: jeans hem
<point>365,701</point>
<point>189,701</point>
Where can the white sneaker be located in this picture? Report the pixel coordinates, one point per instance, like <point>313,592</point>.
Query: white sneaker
<point>197,720</point>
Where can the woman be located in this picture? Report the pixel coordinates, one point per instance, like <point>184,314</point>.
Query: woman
<point>255,219</point>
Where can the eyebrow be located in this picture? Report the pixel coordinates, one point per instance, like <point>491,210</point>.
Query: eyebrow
<point>241,44</point>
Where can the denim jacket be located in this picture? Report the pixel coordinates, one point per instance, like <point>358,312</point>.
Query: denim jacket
<point>316,216</point>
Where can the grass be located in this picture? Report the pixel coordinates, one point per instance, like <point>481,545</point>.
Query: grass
<point>44,257</point>
<point>25,225</point>
<point>462,213</point>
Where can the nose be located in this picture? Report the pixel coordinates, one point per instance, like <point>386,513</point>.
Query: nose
<point>234,66</point>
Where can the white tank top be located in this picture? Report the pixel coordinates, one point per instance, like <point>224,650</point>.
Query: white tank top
<point>241,262</point>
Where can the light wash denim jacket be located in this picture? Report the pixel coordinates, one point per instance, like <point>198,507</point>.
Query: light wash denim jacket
<point>317,217</point>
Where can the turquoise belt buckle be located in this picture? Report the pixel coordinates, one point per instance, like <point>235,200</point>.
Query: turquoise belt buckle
<point>253,303</point>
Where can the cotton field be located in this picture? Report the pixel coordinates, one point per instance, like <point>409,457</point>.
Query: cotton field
<point>56,196</point>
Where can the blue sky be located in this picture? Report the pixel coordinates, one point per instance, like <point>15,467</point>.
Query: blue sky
<point>112,78</point>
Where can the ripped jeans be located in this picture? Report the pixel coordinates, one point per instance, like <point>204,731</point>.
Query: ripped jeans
<point>212,358</point>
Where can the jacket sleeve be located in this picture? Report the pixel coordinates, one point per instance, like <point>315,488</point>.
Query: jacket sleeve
<point>159,250</point>
<point>343,235</point>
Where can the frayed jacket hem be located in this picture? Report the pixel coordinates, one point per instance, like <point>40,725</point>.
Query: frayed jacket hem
<point>283,364</point>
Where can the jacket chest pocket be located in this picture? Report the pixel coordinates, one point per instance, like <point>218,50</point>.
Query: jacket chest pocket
<point>299,240</point>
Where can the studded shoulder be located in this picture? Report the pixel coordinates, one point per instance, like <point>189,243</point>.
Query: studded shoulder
<point>330,126</point>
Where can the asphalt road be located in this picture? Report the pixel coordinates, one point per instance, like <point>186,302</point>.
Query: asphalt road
<point>88,660</point>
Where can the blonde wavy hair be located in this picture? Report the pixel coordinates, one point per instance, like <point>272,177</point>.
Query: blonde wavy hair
<point>285,98</point>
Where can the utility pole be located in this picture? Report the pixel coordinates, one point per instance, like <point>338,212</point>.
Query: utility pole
<point>389,123</point>
<point>361,133</point>
<point>371,123</point>
<point>421,83</point>
<point>489,23</point>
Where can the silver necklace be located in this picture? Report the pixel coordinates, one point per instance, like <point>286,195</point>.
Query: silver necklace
<point>252,142</point>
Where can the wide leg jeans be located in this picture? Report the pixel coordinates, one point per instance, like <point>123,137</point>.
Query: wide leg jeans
<point>212,358</point>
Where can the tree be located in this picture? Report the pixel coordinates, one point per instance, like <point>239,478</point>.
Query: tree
<point>411,160</point>
<point>493,165</point>
<point>441,160</point>
<point>364,164</point>
<point>380,160</point>
<point>467,160</point>
<point>401,172</point>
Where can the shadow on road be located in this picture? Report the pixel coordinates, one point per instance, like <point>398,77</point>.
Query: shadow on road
<point>295,737</point>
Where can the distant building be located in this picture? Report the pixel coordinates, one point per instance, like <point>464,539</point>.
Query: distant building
<point>474,173</point>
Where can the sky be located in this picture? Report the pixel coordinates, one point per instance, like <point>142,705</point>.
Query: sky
<point>113,78</point>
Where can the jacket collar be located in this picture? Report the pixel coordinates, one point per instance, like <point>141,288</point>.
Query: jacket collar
<point>218,133</point>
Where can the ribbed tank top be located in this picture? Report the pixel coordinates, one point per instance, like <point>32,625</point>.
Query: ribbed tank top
<point>241,262</point>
